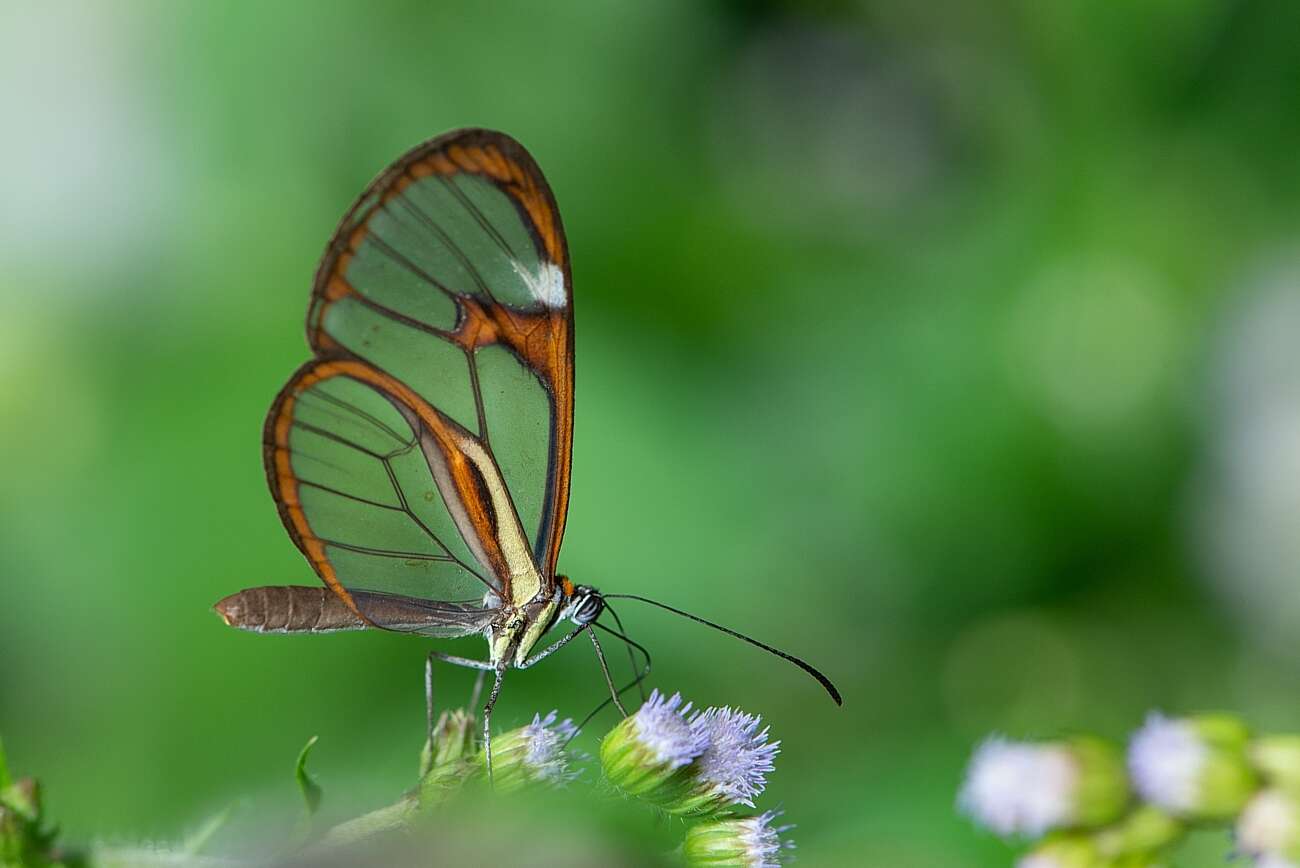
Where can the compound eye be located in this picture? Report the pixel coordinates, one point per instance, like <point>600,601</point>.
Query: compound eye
<point>588,610</point>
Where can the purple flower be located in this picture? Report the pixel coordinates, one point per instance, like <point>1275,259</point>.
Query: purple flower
<point>738,757</point>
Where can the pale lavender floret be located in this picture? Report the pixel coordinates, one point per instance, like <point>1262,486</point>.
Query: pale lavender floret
<point>738,757</point>
<point>662,727</point>
<point>546,740</point>
<point>1165,758</point>
<point>762,840</point>
<point>1018,788</point>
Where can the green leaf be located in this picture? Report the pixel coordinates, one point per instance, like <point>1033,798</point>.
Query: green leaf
<point>311,791</point>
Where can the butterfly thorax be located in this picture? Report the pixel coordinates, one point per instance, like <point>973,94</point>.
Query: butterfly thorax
<point>513,634</point>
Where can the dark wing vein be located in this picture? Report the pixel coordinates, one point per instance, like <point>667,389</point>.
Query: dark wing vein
<point>479,217</point>
<point>402,260</point>
<point>404,505</point>
<point>385,553</point>
<point>465,261</point>
<point>361,414</point>
<point>358,498</point>
<point>398,316</point>
<point>472,358</point>
<point>406,508</point>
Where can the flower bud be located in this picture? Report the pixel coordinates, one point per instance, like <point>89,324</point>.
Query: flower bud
<point>1195,767</point>
<point>648,753</point>
<point>1063,851</point>
<point>1145,831</point>
<point>751,842</point>
<point>1020,788</point>
<point>1269,826</point>
<point>531,754</point>
<point>444,760</point>
<point>1277,759</point>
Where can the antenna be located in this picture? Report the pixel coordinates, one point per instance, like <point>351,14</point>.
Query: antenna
<point>806,667</point>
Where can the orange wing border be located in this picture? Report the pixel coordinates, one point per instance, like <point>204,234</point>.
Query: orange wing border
<point>542,339</point>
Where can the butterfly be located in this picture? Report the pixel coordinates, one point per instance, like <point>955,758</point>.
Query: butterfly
<point>420,460</point>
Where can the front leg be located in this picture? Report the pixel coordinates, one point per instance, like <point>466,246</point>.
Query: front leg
<point>468,663</point>
<point>552,648</point>
<point>487,721</point>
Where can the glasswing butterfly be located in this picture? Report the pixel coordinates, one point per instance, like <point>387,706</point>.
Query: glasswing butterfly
<point>420,460</point>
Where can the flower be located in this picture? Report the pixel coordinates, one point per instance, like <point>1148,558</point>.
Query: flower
<point>532,754</point>
<point>1022,788</point>
<point>661,725</point>
<point>1269,826</point>
<point>647,753</point>
<point>1196,766</point>
<point>734,766</point>
<point>1019,788</point>
<point>689,764</point>
<point>1027,789</point>
<point>752,842</point>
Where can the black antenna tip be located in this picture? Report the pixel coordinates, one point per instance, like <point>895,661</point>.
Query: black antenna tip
<point>805,666</point>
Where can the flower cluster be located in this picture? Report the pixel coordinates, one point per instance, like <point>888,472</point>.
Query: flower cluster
<point>700,764</point>
<point>1093,810</point>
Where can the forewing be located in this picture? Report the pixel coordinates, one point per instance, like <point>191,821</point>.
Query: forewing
<point>384,492</point>
<point>450,275</point>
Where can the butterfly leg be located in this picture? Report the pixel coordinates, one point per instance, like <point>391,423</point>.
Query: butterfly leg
<point>604,669</point>
<point>428,696</point>
<point>552,648</point>
<point>483,666</point>
<point>487,721</point>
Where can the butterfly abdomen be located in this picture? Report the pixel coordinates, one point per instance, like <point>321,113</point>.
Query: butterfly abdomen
<point>288,609</point>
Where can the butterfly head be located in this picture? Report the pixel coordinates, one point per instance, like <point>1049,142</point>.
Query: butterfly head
<point>581,604</point>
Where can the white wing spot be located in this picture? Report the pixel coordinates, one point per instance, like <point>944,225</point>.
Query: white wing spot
<point>547,286</point>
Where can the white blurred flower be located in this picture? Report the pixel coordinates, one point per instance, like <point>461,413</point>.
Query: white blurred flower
<point>1017,788</point>
<point>1166,758</point>
<point>1269,826</point>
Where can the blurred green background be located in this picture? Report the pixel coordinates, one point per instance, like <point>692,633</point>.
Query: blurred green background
<point>956,349</point>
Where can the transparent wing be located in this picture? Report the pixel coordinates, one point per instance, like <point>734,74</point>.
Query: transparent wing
<point>450,275</point>
<point>383,492</point>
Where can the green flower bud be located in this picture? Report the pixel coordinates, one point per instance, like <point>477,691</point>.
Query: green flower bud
<point>1064,851</point>
<point>444,761</point>
<point>1277,759</point>
<point>1146,830</point>
<point>1078,850</point>
<point>750,842</point>
<point>648,755</point>
<point>1195,767</point>
<point>531,754</point>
